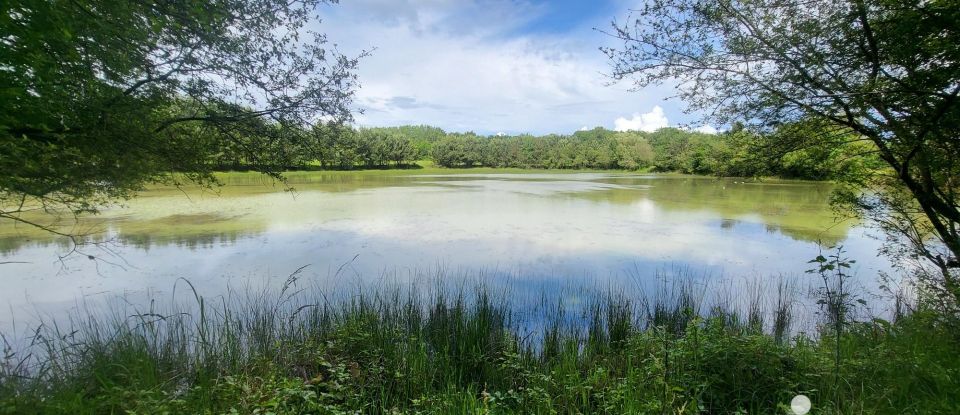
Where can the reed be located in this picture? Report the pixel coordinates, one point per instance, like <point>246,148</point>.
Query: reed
<point>469,348</point>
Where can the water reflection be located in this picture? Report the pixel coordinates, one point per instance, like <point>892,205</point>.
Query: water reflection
<point>541,229</point>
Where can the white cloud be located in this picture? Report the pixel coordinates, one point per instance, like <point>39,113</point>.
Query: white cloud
<point>649,122</point>
<point>467,66</point>
<point>706,129</point>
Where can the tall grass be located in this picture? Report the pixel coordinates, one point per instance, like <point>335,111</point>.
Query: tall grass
<point>467,349</point>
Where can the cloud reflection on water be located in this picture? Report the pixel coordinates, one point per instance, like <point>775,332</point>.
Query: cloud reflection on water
<point>544,228</point>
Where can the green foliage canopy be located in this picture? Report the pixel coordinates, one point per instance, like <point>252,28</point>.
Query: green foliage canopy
<point>100,97</point>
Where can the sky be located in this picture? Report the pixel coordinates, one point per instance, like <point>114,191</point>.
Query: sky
<point>493,66</point>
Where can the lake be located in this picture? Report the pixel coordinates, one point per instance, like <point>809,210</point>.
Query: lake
<point>537,232</point>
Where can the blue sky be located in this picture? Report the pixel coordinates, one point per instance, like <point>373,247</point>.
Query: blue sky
<point>566,16</point>
<point>491,66</point>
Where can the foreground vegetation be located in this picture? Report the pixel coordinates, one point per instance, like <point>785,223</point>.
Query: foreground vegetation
<point>470,351</point>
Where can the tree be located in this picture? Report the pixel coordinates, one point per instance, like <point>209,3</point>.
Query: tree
<point>886,70</point>
<point>99,97</point>
<point>803,151</point>
<point>633,151</point>
<point>672,148</point>
<point>459,150</point>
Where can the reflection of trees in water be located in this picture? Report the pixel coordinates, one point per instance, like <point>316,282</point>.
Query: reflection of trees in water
<point>767,197</point>
<point>13,243</point>
<point>9,245</point>
<point>204,230</point>
<point>146,241</point>
<point>728,223</point>
<point>201,230</point>
<point>799,210</point>
<point>63,230</point>
<point>825,237</point>
<point>328,181</point>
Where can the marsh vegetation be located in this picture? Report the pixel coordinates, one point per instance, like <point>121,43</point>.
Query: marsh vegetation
<point>443,348</point>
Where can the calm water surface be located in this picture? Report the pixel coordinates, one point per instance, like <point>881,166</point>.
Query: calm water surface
<point>539,231</point>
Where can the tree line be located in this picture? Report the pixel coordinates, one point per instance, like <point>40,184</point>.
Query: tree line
<point>334,146</point>
<point>737,152</point>
<point>798,150</point>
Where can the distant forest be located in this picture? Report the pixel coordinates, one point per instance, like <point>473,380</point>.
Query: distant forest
<point>800,150</point>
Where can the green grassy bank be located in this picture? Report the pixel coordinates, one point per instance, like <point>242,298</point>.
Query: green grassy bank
<point>467,351</point>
